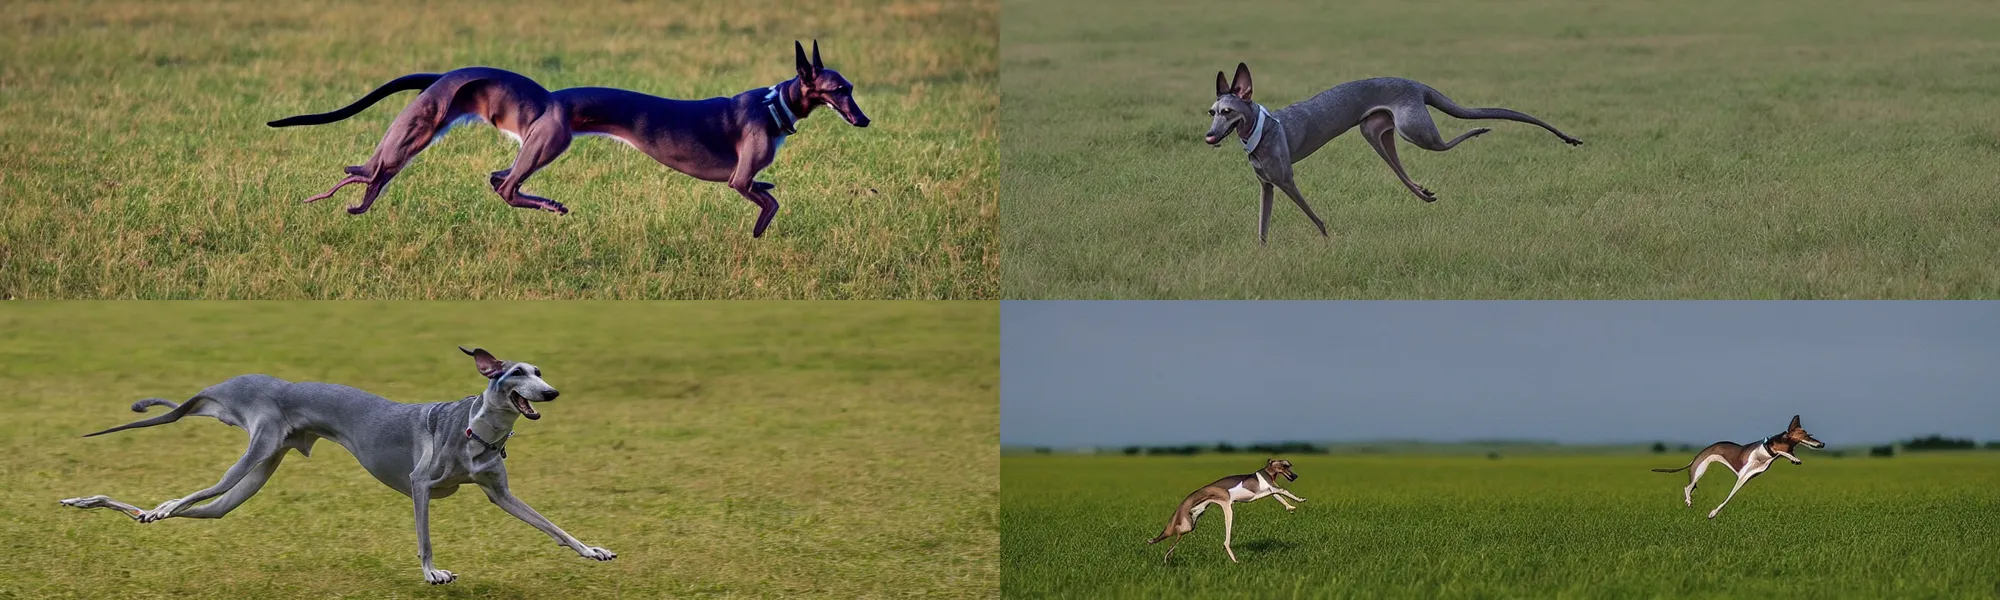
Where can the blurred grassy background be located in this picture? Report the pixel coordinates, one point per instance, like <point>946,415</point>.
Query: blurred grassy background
<point>134,160</point>
<point>722,449</point>
<point>1840,149</point>
<point>1914,526</point>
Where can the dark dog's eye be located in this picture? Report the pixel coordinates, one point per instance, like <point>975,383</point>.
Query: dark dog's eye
<point>1225,111</point>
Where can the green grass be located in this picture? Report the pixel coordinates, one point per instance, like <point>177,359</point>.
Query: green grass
<point>1735,150</point>
<point>725,449</point>
<point>1920,526</point>
<point>134,160</point>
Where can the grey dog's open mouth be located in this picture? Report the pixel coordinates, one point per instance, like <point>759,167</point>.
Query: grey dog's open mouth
<point>521,404</point>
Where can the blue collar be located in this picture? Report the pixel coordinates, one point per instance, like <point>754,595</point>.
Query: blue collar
<point>781,111</point>
<point>1257,135</point>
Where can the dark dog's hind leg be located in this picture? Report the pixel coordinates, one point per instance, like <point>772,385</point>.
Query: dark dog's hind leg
<point>336,187</point>
<point>1380,130</point>
<point>546,139</point>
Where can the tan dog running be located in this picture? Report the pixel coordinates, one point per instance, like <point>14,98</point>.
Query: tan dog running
<point>1223,493</point>
<point>1746,462</point>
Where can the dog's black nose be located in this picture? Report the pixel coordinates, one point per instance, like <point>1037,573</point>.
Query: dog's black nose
<point>552,395</point>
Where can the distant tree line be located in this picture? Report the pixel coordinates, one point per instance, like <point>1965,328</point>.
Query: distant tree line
<point>1269,448</point>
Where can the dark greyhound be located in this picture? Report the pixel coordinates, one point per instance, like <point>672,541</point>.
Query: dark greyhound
<point>1276,140</point>
<point>718,139</point>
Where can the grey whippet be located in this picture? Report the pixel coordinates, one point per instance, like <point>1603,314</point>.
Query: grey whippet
<point>424,451</point>
<point>1223,493</point>
<point>1275,140</point>
<point>1747,462</point>
<point>719,139</point>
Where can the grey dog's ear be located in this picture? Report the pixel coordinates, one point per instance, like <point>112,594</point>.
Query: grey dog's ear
<point>1221,83</point>
<point>1241,87</point>
<point>488,366</point>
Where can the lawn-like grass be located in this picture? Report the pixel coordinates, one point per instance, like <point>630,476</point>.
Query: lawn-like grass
<point>727,449</point>
<point>1918,526</point>
<point>1734,150</point>
<point>135,163</point>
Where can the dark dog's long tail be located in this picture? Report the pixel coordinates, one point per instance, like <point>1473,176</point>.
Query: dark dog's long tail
<point>413,81</point>
<point>1437,99</point>
<point>1683,468</point>
<point>178,411</point>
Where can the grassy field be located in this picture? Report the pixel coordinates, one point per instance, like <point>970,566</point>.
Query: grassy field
<point>134,160</point>
<point>1463,527</point>
<point>721,449</point>
<point>1735,150</point>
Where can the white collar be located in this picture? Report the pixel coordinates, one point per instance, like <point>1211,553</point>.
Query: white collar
<point>1257,134</point>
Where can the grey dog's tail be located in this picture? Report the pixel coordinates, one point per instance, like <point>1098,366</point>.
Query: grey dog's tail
<point>1437,99</point>
<point>414,81</point>
<point>178,411</point>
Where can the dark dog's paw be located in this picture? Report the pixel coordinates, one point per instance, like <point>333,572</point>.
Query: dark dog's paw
<point>355,210</point>
<point>1573,141</point>
<point>557,208</point>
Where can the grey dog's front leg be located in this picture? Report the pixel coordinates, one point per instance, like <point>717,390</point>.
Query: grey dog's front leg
<point>420,492</point>
<point>1264,216</point>
<point>514,506</point>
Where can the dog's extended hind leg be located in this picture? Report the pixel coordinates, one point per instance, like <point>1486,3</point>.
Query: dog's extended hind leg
<point>262,448</point>
<point>236,495</point>
<point>1416,127</point>
<point>336,187</point>
<point>412,131</point>
<point>1379,129</point>
<point>105,502</point>
<point>1740,480</point>
<point>546,139</point>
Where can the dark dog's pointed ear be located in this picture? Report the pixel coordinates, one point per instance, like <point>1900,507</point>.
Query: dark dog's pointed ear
<point>1795,422</point>
<point>817,65</point>
<point>1241,87</point>
<point>488,366</point>
<point>1221,83</point>
<point>805,67</point>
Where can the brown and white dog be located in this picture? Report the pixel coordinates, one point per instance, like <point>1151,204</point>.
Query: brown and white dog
<point>1747,462</point>
<point>1225,491</point>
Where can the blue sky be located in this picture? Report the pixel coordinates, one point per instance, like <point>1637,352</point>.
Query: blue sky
<point>1116,373</point>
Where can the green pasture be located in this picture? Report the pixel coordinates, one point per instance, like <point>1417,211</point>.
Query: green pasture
<point>724,449</point>
<point>134,160</point>
<point>1917,526</point>
<point>1840,149</point>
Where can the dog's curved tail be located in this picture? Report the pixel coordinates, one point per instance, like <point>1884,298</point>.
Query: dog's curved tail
<point>180,410</point>
<point>413,81</point>
<point>1683,468</point>
<point>1437,99</point>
